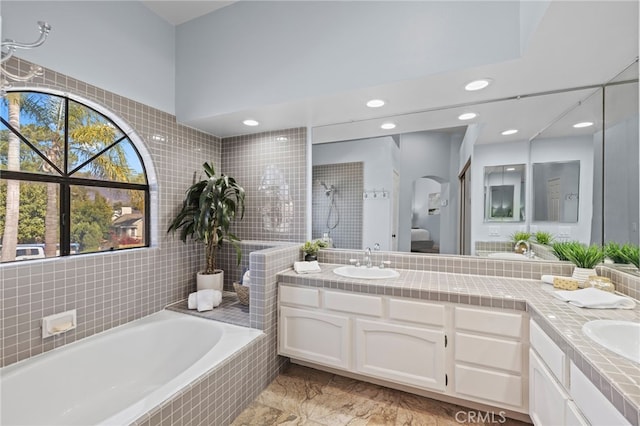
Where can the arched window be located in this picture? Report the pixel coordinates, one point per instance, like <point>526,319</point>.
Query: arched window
<point>71,180</point>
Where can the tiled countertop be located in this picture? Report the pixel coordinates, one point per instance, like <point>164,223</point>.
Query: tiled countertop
<point>616,377</point>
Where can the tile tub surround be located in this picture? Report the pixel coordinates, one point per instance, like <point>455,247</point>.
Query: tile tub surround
<point>109,289</point>
<point>230,310</point>
<point>616,377</point>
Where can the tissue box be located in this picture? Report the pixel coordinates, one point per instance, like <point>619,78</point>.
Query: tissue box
<point>565,283</point>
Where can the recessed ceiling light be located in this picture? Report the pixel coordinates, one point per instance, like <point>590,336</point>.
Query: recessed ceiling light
<point>375,103</point>
<point>467,116</point>
<point>511,169</point>
<point>583,124</point>
<point>388,126</point>
<point>509,132</point>
<point>250,122</point>
<point>477,84</point>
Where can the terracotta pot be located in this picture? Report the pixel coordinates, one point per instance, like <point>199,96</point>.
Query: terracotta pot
<point>213,281</point>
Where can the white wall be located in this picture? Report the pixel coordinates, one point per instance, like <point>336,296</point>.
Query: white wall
<point>120,46</point>
<point>252,54</point>
<point>427,154</point>
<point>377,155</point>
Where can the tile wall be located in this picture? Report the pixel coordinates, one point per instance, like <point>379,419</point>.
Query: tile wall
<point>271,167</point>
<point>346,215</point>
<point>112,288</point>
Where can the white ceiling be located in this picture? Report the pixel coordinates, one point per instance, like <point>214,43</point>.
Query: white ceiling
<point>179,12</point>
<point>576,44</point>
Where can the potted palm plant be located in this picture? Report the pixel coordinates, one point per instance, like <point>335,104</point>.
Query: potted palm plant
<point>208,209</point>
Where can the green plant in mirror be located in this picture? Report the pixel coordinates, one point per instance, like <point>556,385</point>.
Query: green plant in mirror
<point>543,237</point>
<point>579,254</point>
<point>209,207</point>
<point>626,253</point>
<point>520,236</point>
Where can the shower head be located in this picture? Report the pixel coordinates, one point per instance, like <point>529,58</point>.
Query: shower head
<point>328,190</point>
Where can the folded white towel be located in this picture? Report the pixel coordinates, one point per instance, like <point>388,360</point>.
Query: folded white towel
<point>208,299</point>
<point>548,279</point>
<point>596,299</point>
<point>193,301</point>
<point>306,267</point>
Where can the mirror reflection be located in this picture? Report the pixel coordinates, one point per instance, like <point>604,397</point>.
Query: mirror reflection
<point>504,193</point>
<point>556,191</point>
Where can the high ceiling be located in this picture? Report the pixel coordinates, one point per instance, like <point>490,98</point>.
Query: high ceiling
<point>564,51</point>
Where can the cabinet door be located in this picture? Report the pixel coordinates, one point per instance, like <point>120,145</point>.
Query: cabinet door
<point>400,353</point>
<point>315,336</point>
<point>547,400</point>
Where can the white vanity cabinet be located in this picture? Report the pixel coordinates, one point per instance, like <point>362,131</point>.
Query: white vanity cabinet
<point>559,394</point>
<point>490,356</point>
<point>475,354</point>
<point>365,334</point>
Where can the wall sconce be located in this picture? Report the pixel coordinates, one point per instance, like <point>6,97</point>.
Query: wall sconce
<point>9,48</point>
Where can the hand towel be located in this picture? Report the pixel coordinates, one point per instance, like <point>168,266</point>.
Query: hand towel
<point>246,279</point>
<point>548,279</point>
<point>595,299</point>
<point>193,301</point>
<point>208,299</point>
<point>307,267</point>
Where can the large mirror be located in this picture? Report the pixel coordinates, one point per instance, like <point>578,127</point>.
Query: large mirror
<point>555,191</point>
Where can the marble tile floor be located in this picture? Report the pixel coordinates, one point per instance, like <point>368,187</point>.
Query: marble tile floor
<point>304,396</point>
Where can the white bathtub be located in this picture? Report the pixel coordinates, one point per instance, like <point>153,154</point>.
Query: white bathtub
<point>114,377</point>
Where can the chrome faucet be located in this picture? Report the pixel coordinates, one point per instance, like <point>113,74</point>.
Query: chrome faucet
<point>367,257</point>
<point>527,252</point>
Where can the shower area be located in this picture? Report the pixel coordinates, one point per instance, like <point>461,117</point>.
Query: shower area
<point>337,193</point>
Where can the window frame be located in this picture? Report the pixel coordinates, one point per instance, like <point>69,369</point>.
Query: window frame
<point>65,180</point>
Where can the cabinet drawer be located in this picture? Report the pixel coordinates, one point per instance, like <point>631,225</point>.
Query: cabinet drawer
<point>353,303</point>
<point>549,352</point>
<point>300,296</point>
<point>489,352</point>
<point>417,312</point>
<point>492,322</point>
<point>592,403</point>
<point>488,385</point>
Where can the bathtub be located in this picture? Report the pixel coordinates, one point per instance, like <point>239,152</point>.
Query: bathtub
<point>114,377</point>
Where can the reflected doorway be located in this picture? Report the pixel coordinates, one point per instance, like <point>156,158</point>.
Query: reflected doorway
<point>465,210</point>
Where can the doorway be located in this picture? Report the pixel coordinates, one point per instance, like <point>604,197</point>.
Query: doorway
<point>465,209</point>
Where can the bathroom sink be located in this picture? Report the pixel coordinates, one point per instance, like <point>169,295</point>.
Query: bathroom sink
<point>621,337</point>
<point>505,255</point>
<point>364,273</point>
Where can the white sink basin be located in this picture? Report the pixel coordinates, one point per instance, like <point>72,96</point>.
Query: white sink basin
<point>621,337</point>
<point>505,255</point>
<point>364,273</point>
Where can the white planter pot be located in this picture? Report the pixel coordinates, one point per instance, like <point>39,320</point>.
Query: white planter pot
<point>210,281</point>
<point>582,275</point>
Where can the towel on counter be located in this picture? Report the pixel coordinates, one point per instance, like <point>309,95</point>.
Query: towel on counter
<point>548,279</point>
<point>595,299</point>
<point>192,303</point>
<point>208,299</point>
<point>306,267</point>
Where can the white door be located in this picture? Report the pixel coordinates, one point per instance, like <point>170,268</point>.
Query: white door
<point>547,400</point>
<point>553,199</point>
<point>395,205</point>
<point>403,354</point>
<point>315,336</point>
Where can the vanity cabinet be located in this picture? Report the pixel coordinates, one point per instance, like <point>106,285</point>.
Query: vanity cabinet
<point>489,357</point>
<point>476,354</point>
<point>559,393</point>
